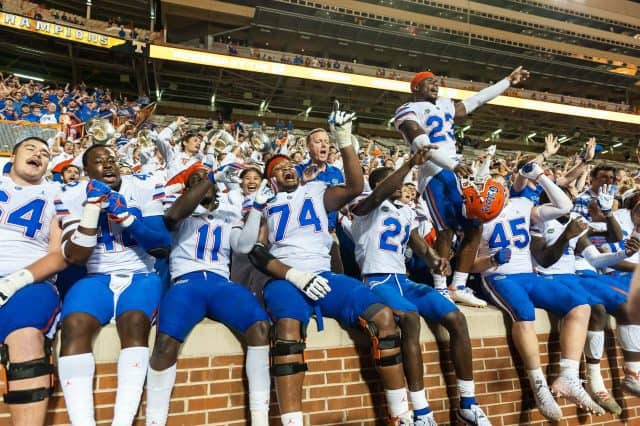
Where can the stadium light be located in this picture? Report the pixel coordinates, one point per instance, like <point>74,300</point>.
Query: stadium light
<point>28,77</point>
<point>617,145</point>
<point>563,139</point>
<point>467,127</point>
<point>206,58</point>
<point>487,139</point>
<point>213,99</point>
<point>530,135</point>
<point>604,152</point>
<point>496,132</point>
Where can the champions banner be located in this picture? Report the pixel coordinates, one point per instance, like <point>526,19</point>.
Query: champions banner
<point>64,32</point>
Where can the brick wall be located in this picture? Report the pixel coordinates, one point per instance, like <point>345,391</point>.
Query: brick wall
<point>341,386</point>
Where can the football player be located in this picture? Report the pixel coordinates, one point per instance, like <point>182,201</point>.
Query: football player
<point>120,233</point>
<point>427,120</point>
<point>30,240</point>
<point>201,225</point>
<point>382,229</point>
<point>504,259</point>
<point>295,230</point>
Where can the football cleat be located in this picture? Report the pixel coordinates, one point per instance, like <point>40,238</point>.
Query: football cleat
<point>473,416</point>
<point>606,401</point>
<point>466,297</point>
<point>444,292</point>
<point>571,389</point>
<point>631,382</point>
<point>546,404</point>
<point>425,420</point>
<point>405,419</point>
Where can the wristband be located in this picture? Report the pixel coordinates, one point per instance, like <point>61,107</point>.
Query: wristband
<point>83,240</point>
<point>90,216</point>
<point>128,221</point>
<point>20,279</point>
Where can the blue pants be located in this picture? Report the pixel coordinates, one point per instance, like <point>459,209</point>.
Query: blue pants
<point>197,295</point>
<point>36,305</point>
<point>92,295</point>
<point>444,201</point>
<point>346,302</point>
<point>403,295</point>
<point>595,289</point>
<point>620,280</point>
<point>519,294</point>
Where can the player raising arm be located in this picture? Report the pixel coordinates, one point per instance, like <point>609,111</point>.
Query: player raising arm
<point>429,120</point>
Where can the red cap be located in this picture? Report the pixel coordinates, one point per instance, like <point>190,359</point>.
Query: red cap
<point>417,79</point>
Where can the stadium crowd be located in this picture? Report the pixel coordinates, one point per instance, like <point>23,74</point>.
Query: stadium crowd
<point>197,222</point>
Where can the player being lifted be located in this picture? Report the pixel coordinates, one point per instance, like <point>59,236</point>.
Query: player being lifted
<point>30,241</point>
<point>504,259</point>
<point>201,223</point>
<point>120,232</point>
<point>294,228</point>
<point>428,120</point>
<point>382,229</point>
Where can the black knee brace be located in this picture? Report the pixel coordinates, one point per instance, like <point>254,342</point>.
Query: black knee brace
<point>27,370</point>
<point>280,347</point>
<point>380,344</point>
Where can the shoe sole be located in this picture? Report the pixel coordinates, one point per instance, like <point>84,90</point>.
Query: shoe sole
<point>577,403</point>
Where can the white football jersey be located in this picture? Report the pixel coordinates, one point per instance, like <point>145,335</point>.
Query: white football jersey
<point>26,213</point>
<point>551,231</point>
<point>509,229</point>
<point>437,122</point>
<point>201,242</point>
<point>117,251</point>
<point>381,238</point>
<point>298,230</point>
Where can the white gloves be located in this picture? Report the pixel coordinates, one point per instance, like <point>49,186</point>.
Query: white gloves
<point>313,286</point>
<point>12,283</point>
<point>226,174</point>
<point>531,171</point>
<point>340,126</point>
<point>264,194</point>
<point>606,196</point>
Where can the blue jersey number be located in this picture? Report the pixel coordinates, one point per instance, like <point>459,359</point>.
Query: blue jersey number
<point>203,237</point>
<point>437,134</point>
<point>392,230</point>
<point>517,234</point>
<point>107,240</point>
<point>307,217</point>
<point>27,216</point>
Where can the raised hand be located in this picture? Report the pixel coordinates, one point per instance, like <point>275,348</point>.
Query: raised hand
<point>340,123</point>
<point>551,145</point>
<point>575,227</point>
<point>264,194</point>
<point>606,196</point>
<point>531,171</point>
<point>518,75</point>
<point>421,156</point>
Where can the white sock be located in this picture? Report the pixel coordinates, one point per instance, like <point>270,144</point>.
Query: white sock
<point>594,376</point>
<point>397,401</point>
<point>159,387</point>
<point>132,370</point>
<point>418,400</point>
<point>632,365</point>
<point>536,377</point>
<point>594,347</point>
<point>439,281</point>
<point>75,373</point>
<point>569,368</point>
<point>459,280</point>
<point>467,388</point>
<point>292,419</point>
<point>257,366</point>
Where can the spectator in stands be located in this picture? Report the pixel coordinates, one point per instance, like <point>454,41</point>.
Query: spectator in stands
<point>25,110</point>
<point>9,112</point>
<point>122,33</point>
<point>34,115</point>
<point>586,202</point>
<point>52,114</point>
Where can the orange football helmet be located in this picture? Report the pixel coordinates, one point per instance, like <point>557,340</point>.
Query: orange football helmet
<point>481,201</point>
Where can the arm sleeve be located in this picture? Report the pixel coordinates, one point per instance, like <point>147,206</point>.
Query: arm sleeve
<point>485,95</point>
<point>152,235</point>
<point>602,260</point>
<point>243,238</point>
<point>560,203</point>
